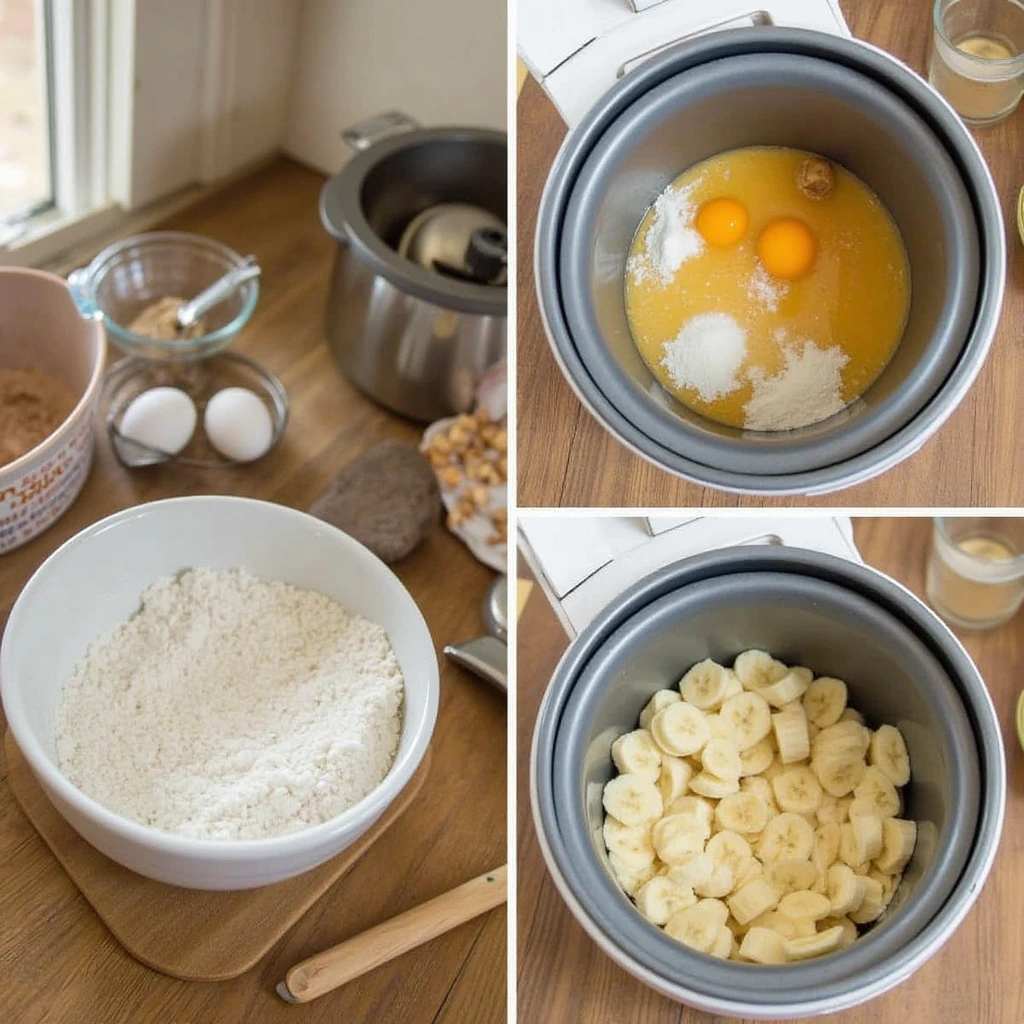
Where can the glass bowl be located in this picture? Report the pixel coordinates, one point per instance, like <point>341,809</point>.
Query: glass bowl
<point>129,275</point>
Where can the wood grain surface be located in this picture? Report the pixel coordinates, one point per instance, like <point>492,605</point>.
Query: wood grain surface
<point>58,961</point>
<point>566,458</point>
<point>562,975</point>
<point>187,933</point>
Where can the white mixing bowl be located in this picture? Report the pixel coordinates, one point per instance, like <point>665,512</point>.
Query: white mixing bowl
<point>94,581</point>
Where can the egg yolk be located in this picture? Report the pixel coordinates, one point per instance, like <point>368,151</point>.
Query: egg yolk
<point>786,248</point>
<point>722,222</point>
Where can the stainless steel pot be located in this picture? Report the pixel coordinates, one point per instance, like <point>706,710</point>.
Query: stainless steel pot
<point>416,338</point>
<point>790,87</point>
<point>902,665</point>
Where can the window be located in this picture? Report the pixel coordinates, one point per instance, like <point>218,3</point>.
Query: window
<point>26,151</point>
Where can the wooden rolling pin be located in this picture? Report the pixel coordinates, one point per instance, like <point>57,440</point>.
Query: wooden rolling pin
<point>348,960</point>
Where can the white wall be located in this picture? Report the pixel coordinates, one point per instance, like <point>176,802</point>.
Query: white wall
<point>200,90</point>
<point>441,61</point>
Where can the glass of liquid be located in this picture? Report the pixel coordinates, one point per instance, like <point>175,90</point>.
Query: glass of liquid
<point>977,58</point>
<point>975,574</point>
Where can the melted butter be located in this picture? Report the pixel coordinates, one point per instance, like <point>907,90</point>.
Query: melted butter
<point>856,294</point>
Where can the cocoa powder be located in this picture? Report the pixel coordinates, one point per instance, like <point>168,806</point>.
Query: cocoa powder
<point>32,406</point>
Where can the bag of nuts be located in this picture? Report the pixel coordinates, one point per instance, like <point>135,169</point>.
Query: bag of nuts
<point>469,454</point>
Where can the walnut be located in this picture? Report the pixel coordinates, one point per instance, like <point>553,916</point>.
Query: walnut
<point>815,178</point>
<point>450,477</point>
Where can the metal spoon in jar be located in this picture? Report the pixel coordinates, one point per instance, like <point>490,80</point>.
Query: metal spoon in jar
<point>190,312</point>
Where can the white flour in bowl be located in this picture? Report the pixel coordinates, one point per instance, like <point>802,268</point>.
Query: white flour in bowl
<point>807,390</point>
<point>232,708</point>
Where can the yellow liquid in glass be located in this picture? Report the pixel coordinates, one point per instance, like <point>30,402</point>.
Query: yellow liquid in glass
<point>856,294</point>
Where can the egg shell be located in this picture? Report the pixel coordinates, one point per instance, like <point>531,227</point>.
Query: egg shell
<point>163,418</point>
<point>238,424</point>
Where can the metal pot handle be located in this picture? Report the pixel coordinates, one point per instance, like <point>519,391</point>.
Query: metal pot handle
<point>363,134</point>
<point>579,50</point>
<point>584,563</point>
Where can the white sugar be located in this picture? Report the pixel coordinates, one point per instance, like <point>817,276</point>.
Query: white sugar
<point>808,389</point>
<point>706,355</point>
<point>671,239</point>
<point>765,290</point>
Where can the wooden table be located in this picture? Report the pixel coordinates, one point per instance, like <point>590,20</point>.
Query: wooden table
<point>59,963</point>
<point>567,458</point>
<point>974,978</point>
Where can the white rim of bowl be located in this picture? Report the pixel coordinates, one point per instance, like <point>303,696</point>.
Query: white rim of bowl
<point>375,802</point>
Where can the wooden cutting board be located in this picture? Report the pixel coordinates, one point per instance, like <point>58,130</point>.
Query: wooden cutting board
<point>186,933</point>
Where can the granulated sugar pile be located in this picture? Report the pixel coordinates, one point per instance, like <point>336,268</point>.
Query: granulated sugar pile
<point>808,390</point>
<point>232,708</point>
<point>671,239</point>
<point>706,355</point>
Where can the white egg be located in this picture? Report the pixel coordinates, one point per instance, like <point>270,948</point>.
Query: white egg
<point>162,418</point>
<point>238,424</point>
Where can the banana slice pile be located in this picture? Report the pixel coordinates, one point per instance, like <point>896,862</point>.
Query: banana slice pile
<point>755,817</point>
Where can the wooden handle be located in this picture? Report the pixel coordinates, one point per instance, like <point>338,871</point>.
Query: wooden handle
<point>349,959</point>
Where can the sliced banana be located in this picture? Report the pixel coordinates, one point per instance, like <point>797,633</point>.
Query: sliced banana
<point>750,716</point>
<point>703,809</point>
<point>846,737</point>
<point>757,669</point>
<point>838,771</point>
<point>723,944</point>
<point>721,759</point>
<point>756,759</point>
<point>693,870</point>
<point>713,768</point>
<point>754,899</point>
<point>813,945</point>
<point>742,812</point>
<point>791,874</point>
<point>658,702</point>
<point>679,729</point>
<point>720,728</point>
<point>826,845</point>
<point>747,871</point>
<point>888,753</point>
<point>873,905</point>
<point>697,927</point>
<point>763,946</point>
<point>867,831</point>
<point>825,701</point>
<point>797,789</point>
<point>790,728</point>
<point>661,897</point>
<point>888,882</point>
<point>632,799</point>
<point>875,794</point>
<point>899,837</point>
<point>720,883</point>
<point>628,876</point>
<point>673,778</point>
<point>678,837</point>
<point>630,843</point>
<point>804,904</point>
<point>786,836</point>
<point>636,753</point>
<point>792,686</point>
<point>763,788</point>
<point>728,848</point>
<point>845,889</point>
<point>849,936</point>
<point>705,684</point>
